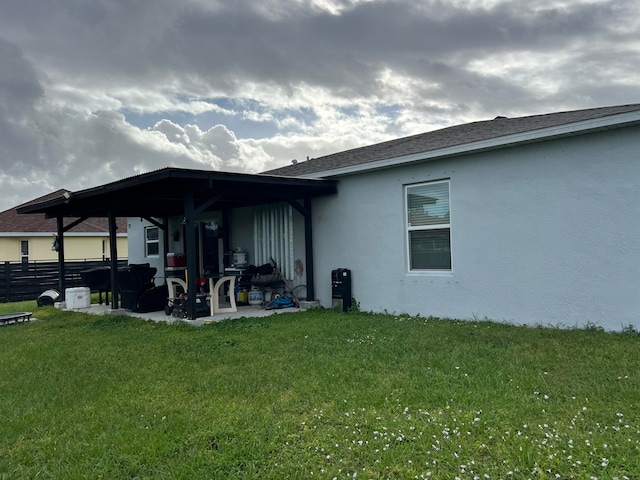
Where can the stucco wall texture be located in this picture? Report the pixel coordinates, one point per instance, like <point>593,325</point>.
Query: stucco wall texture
<point>541,234</point>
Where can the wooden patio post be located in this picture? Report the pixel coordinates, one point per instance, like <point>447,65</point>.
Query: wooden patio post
<point>308,249</point>
<point>113,251</point>
<point>190,244</point>
<point>62,282</point>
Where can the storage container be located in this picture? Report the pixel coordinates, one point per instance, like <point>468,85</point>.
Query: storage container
<point>78,297</point>
<point>239,258</point>
<point>256,297</point>
<point>176,260</point>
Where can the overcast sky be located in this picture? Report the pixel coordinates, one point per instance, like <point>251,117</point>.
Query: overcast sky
<point>92,91</point>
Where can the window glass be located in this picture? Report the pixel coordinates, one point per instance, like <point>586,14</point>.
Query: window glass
<point>24,251</point>
<point>428,204</point>
<point>152,242</point>
<point>428,226</point>
<point>430,249</point>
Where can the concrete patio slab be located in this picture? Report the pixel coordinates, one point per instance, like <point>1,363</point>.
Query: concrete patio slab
<point>243,311</point>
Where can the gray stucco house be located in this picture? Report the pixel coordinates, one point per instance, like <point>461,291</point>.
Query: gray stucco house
<point>530,220</point>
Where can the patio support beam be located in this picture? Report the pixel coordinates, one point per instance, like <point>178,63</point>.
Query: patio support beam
<point>74,223</point>
<point>308,249</point>
<point>113,251</point>
<point>154,222</point>
<point>190,247</point>
<point>206,204</point>
<point>62,273</point>
<point>226,236</point>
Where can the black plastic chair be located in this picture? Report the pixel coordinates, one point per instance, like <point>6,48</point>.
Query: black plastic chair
<point>138,293</point>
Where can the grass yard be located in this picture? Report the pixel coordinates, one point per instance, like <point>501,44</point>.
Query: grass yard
<point>315,395</point>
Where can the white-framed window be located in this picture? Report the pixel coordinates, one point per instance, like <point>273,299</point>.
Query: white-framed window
<point>152,241</point>
<point>428,226</point>
<point>24,251</point>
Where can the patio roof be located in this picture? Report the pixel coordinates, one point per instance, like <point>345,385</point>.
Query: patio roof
<point>161,193</point>
<point>181,192</point>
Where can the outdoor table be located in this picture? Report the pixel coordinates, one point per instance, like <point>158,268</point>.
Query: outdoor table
<point>19,317</point>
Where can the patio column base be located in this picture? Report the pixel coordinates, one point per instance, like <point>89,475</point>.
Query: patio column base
<point>308,304</point>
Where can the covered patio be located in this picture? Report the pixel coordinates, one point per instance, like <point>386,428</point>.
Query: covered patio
<point>173,192</point>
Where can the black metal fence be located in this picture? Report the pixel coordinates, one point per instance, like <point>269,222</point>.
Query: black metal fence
<point>26,281</point>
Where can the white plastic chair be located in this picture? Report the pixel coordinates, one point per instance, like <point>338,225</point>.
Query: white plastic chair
<point>172,284</point>
<point>214,290</point>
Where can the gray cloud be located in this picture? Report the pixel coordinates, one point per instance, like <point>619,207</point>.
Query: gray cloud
<point>320,78</point>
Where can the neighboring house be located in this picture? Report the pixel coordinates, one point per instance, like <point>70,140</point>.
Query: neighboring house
<point>29,238</point>
<point>530,220</point>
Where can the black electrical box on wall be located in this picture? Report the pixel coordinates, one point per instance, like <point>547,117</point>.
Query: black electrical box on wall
<point>341,289</point>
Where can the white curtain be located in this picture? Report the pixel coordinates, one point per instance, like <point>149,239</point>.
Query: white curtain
<point>273,236</point>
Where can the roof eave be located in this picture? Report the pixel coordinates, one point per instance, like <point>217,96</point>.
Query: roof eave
<point>571,129</point>
<point>59,205</point>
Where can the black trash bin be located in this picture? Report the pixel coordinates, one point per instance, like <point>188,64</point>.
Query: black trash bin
<point>341,289</point>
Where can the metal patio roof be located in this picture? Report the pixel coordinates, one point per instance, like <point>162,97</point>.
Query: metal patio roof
<point>161,193</point>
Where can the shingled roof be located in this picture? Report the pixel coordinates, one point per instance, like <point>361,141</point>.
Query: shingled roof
<point>455,136</point>
<point>12,222</point>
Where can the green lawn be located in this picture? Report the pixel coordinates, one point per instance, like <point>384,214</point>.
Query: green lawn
<point>315,395</point>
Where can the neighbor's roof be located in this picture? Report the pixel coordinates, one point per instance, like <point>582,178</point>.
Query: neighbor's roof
<point>466,138</point>
<point>12,222</point>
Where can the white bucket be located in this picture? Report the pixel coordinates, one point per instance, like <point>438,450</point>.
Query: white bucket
<point>256,296</point>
